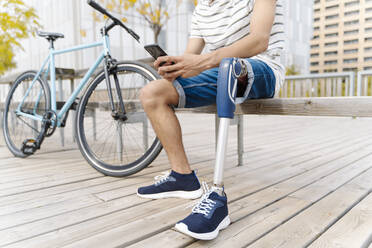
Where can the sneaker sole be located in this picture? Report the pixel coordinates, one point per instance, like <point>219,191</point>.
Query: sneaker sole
<point>174,194</point>
<point>204,236</point>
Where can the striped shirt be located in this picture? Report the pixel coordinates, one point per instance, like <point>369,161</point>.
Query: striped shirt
<point>223,22</point>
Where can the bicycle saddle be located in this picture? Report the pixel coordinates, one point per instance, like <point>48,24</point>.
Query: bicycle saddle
<point>50,35</point>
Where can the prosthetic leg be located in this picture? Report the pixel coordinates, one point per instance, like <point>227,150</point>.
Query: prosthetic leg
<point>229,71</point>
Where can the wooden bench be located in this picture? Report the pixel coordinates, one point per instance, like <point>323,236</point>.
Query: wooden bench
<point>316,106</point>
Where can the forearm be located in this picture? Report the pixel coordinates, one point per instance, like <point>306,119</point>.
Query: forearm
<point>195,46</point>
<point>244,48</point>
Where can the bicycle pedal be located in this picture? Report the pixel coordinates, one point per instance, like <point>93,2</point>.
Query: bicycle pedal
<point>29,146</point>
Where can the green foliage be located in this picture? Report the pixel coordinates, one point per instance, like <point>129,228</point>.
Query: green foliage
<point>291,70</point>
<point>17,21</point>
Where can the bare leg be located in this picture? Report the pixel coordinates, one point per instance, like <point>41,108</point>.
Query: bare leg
<point>156,98</point>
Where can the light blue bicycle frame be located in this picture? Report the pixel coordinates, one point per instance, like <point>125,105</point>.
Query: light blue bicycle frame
<point>105,43</point>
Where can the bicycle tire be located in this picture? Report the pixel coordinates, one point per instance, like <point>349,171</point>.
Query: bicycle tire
<point>15,145</point>
<point>109,166</point>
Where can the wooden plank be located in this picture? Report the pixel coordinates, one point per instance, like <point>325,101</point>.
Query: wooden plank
<point>331,106</point>
<point>262,142</point>
<point>167,218</point>
<point>274,145</point>
<point>256,201</point>
<point>109,187</point>
<point>311,223</point>
<point>95,224</point>
<point>254,226</point>
<point>353,230</point>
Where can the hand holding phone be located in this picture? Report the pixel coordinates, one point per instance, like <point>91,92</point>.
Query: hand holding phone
<point>156,51</point>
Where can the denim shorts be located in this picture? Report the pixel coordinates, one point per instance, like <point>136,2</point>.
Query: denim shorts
<point>201,90</point>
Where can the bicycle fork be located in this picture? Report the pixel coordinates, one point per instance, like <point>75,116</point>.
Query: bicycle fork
<point>229,71</point>
<point>120,114</point>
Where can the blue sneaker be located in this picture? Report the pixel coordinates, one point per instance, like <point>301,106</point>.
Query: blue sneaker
<point>173,185</point>
<point>208,217</point>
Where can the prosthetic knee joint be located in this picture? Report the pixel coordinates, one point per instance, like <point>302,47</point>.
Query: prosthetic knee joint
<point>229,71</point>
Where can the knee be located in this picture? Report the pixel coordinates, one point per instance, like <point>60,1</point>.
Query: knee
<point>152,95</point>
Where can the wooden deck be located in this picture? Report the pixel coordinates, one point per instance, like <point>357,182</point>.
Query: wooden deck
<point>305,182</point>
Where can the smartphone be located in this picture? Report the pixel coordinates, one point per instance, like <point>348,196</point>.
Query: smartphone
<point>156,51</point>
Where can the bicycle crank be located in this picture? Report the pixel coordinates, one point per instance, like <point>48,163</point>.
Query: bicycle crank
<point>49,124</point>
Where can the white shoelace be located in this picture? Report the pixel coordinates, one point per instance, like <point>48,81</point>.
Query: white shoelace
<point>159,179</point>
<point>204,205</point>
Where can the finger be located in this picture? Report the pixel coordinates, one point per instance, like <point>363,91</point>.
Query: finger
<point>163,59</point>
<point>170,68</point>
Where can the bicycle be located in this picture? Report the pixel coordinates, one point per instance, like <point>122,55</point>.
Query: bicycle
<point>31,110</point>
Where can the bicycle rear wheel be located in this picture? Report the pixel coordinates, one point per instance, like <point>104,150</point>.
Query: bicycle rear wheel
<point>112,146</point>
<point>25,97</point>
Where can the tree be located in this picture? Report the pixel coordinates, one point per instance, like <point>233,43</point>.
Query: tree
<point>17,21</point>
<point>291,70</point>
<point>154,12</point>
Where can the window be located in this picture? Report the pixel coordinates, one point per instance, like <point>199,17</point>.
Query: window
<point>367,59</point>
<point>316,19</point>
<point>349,32</point>
<point>368,39</point>
<point>349,61</point>
<point>353,22</point>
<point>315,46</point>
<point>332,25</point>
<point>350,69</point>
<point>332,7</point>
<point>315,37</point>
<point>330,62</point>
<point>348,42</point>
<point>368,10</point>
<point>368,30</point>
<point>369,19</point>
<point>331,35</point>
<point>350,51</point>
<point>316,28</point>
<point>314,55</point>
<point>314,63</point>
<point>351,13</point>
<point>368,68</point>
<point>330,17</point>
<point>368,49</point>
<point>330,53</point>
<point>314,72</point>
<point>331,44</point>
<point>353,3</point>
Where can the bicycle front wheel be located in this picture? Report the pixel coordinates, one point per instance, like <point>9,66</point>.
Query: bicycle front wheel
<point>28,95</point>
<point>113,146</point>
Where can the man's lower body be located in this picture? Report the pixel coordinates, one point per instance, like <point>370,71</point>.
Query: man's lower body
<point>158,99</point>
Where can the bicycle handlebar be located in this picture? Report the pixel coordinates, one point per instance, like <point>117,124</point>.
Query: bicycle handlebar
<point>99,8</point>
